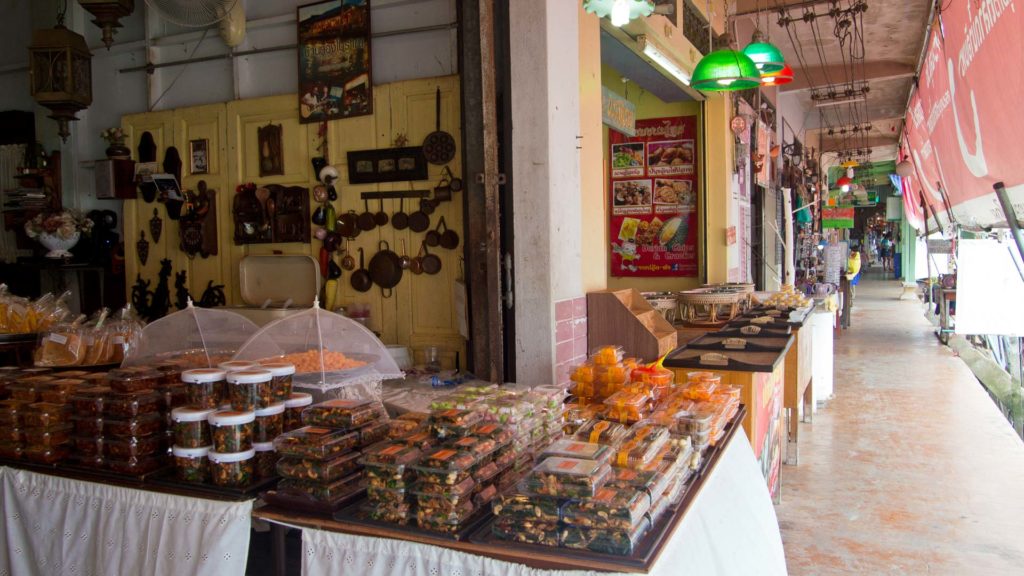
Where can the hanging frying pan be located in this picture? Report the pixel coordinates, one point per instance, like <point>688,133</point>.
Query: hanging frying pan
<point>419,221</point>
<point>454,183</point>
<point>449,238</point>
<point>347,224</point>
<point>347,261</point>
<point>400,220</point>
<point>416,264</point>
<point>438,146</point>
<point>431,263</point>
<point>381,217</point>
<point>427,205</point>
<point>404,259</point>
<point>360,279</point>
<point>385,269</point>
<point>365,220</point>
<point>433,237</point>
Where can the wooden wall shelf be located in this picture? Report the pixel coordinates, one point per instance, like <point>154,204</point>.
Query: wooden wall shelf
<point>624,318</point>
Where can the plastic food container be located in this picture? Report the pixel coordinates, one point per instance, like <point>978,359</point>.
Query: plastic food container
<point>29,389</point>
<point>88,425</point>
<point>508,410</point>
<point>443,496</point>
<point>232,431</point>
<point>455,401</point>
<point>619,542</point>
<point>454,422</point>
<point>423,440</point>
<point>607,355</point>
<point>89,401</point>
<point>191,464</point>
<point>479,447</point>
<point>627,407</point>
<point>293,407</point>
<point>89,445</point>
<point>577,449</point>
<point>315,443</point>
<point>326,493</point>
<point>388,497</point>
<point>541,533</point>
<point>46,455</point>
<point>191,427</point>
<point>548,397</point>
<point>265,463</point>
<point>204,387</point>
<point>701,390</point>
<point>172,396</point>
<point>394,514</point>
<point>88,461</point>
<point>610,508</point>
<point>443,519</point>
<point>12,413</point>
<point>500,434</point>
<point>236,365</point>
<point>281,383</point>
<point>143,425</point>
<point>392,454</point>
<point>269,423</point>
<point>382,476</point>
<point>48,437</point>
<point>602,432</point>
<point>131,404</point>
<point>446,466</point>
<point>170,373</point>
<point>59,391</point>
<point>46,414</point>
<point>232,469</point>
<point>343,414</point>
<point>319,470</point>
<point>132,379</point>
<point>641,446</point>
<point>136,466</point>
<point>402,428</point>
<point>250,389</point>
<point>11,450</point>
<point>566,478</point>
<point>373,433</point>
<point>135,447</point>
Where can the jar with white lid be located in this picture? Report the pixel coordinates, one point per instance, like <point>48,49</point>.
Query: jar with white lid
<point>191,464</point>
<point>232,469</point>
<point>204,387</point>
<point>282,381</point>
<point>293,407</point>
<point>269,423</point>
<point>266,460</point>
<point>231,430</point>
<point>191,426</point>
<point>250,389</point>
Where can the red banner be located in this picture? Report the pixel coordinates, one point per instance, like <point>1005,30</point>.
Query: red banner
<point>654,198</point>
<point>964,122</point>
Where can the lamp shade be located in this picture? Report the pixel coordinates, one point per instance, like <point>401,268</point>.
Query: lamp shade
<point>60,74</point>
<point>784,76</point>
<point>725,70</point>
<point>607,9</point>
<point>844,183</point>
<point>904,169</point>
<point>765,55</point>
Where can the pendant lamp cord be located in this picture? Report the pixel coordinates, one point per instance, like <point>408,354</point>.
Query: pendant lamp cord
<point>62,12</point>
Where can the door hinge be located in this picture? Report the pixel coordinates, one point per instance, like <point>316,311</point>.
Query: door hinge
<point>508,295</point>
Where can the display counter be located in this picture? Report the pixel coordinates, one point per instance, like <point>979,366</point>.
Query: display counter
<point>728,511</point>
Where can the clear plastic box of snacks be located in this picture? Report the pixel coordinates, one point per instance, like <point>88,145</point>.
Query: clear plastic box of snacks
<point>12,412</point>
<point>293,408</point>
<point>605,541</point>
<point>269,423</point>
<point>45,455</point>
<point>479,447</point>
<point>143,425</point>
<point>576,449</point>
<point>232,469</point>
<point>316,442</point>
<point>59,391</point>
<point>509,411</point>
<point>394,514</point>
<point>29,389</point>
<point>131,404</point>
<point>602,432</point>
<point>265,462</point>
<point>88,425</point>
<point>11,450</point>
<point>548,397</point>
<point>136,447</point>
<point>701,390</point>
<point>627,407</point>
<point>232,431</point>
<point>607,355</point>
<point>170,373</point>
<point>326,493</point>
<point>250,389</point>
<point>94,461</point>
<point>192,426</point>
<point>453,495</point>
<point>502,435</point>
<point>172,396</point>
<point>388,477</point>
<point>281,384</point>
<point>402,428</point>
<point>343,413</point>
<point>13,435</point>
<point>133,379</point>
<point>454,422</point>
<point>423,440</point>
<point>387,496</point>
<point>513,530</point>
<point>443,519</point>
<point>319,470</point>
<point>455,401</point>
<point>191,464</point>
<point>48,437</point>
<point>373,433</point>
<point>641,446</point>
<point>392,454</point>
<point>566,478</point>
<point>446,466</point>
<point>136,466</point>
<point>89,445</point>
<point>46,414</point>
<point>610,508</point>
<point>204,387</point>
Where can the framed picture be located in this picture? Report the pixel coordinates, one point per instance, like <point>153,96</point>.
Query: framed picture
<point>168,187</point>
<point>269,139</point>
<point>199,152</point>
<point>387,165</point>
<point>334,60</point>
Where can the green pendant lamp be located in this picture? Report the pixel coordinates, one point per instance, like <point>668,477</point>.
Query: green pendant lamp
<point>765,55</point>
<point>725,71</point>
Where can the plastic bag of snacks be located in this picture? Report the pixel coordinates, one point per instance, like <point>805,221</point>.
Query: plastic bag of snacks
<point>23,316</point>
<point>104,339</point>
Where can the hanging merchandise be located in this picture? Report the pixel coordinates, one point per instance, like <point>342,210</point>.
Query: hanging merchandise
<point>156,225</point>
<point>199,337</point>
<point>142,247</point>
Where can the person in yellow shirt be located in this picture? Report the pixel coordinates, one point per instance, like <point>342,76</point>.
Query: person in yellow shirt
<point>853,270</point>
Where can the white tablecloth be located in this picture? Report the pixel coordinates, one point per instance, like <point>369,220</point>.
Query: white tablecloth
<point>731,528</point>
<point>58,526</point>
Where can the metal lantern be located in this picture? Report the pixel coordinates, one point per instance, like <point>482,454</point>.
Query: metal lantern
<point>108,14</point>
<point>60,74</point>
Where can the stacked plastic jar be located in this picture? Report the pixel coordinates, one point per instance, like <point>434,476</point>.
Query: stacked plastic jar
<point>133,425</point>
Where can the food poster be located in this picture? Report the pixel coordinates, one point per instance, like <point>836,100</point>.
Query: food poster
<point>654,199</point>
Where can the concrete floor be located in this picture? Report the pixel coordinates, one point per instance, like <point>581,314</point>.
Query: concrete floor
<point>910,469</point>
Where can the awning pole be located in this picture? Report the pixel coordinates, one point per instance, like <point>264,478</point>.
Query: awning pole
<point>1011,216</point>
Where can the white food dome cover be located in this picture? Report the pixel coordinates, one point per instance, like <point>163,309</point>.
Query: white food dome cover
<point>203,337</point>
<point>315,332</point>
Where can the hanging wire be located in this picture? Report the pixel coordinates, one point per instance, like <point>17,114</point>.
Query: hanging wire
<point>62,12</point>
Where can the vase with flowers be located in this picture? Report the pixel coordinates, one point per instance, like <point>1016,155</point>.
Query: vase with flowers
<point>58,232</point>
<point>116,150</point>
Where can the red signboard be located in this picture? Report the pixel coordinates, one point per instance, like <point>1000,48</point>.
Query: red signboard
<point>964,123</point>
<point>654,198</point>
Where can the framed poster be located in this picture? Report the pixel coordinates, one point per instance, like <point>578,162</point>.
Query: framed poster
<point>653,199</point>
<point>199,154</point>
<point>334,60</point>
<point>387,165</point>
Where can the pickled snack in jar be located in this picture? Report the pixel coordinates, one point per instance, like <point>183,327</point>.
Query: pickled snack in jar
<point>89,445</point>
<point>269,423</point>
<point>602,432</point>
<point>281,383</point>
<point>143,425</point>
<point>529,532</point>
<point>46,414</point>
<point>578,449</point>
<point>315,443</point>
<point>566,478</point>
<point>12,413</point>
<point>343,413</point>
<point>232,469</point>
<point>135,447</point>
<point>319,470</point>
<point>131,404</point>
<point>132,379</point>
<point>618,542</point>
<point>204,387</point>
<point>446,466</point>
<point>457,493</point>
<point>293,407</point>
<point>265,462</point>
<point>373,433</point>
<point>88,425</point>
<point>478,447</point>
<point>401,428</point>
<point>610,508</point>
<point>391,453</point>
<point>387,497</point>
<point>232,431</point>
<point>45,455</point>
<point>326,493</point>
<point>250,389</point>
<point>641,446</point>
<point>48,437</point>
<point>191,427</point>
<point>191,464</point>
<point>502,435</point>
<point>607,355</point>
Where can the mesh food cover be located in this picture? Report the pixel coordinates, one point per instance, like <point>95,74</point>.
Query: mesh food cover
<point>198,337</point>
<point>329,351</point>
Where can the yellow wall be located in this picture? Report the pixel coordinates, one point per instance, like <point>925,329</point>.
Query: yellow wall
<point>420,312</point>
<point>720,151</point>
<point>647,106</point>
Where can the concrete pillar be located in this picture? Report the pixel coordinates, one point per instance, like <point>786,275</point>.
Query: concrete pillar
<point>547,202</point>
<point>719,152</point>
<point>593,170</point>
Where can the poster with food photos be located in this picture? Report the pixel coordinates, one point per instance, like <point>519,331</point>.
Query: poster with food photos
<point>653,190</point>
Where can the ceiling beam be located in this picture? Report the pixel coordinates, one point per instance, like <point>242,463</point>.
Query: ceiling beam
<point>753,7</point>
<point>877,71</point>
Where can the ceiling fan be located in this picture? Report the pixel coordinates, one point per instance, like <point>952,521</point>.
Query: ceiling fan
<point>230,14</point>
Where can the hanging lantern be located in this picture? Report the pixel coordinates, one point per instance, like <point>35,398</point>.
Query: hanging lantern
<point>60,73</point>
<point>108,14</point>
<point>784,76</point>
<point>620,12</point>
<point>844,183</point>
<point>904,169</point>
<point>765,55</point>
<point>725,70</point>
